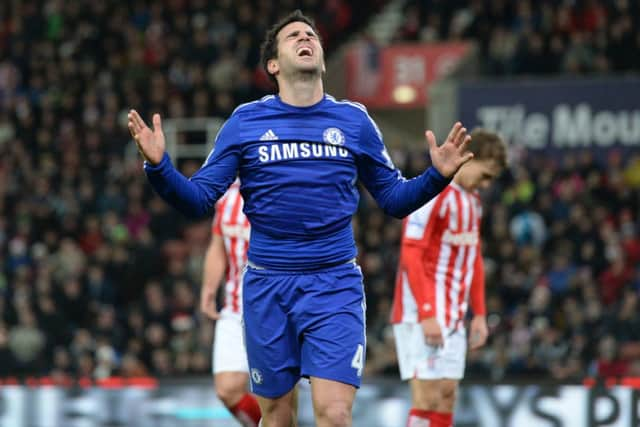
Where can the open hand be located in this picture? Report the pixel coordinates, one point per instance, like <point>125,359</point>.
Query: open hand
<point>448,157</point>
<point>150,142</point>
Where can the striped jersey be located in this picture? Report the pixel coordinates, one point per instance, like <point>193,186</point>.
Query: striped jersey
<point>441,268</point>
<point>233,226</point>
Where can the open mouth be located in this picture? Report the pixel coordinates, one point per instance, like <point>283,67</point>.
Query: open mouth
<point>304,51</point>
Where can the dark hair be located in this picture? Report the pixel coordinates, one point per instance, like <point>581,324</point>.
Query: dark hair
<point>487,145</point>
<point>269,47</point>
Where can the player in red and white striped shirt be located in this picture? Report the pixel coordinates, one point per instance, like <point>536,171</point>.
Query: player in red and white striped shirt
<point>227,252</point>
<point>439,273</point>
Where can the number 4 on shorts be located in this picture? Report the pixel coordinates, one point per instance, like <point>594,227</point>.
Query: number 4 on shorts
<point>358,359</point>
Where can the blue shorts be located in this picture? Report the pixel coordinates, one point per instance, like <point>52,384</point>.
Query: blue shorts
<point>303,324</point>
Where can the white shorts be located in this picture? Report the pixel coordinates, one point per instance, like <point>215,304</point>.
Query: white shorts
<point>229,351</point>
<point>425,362</point>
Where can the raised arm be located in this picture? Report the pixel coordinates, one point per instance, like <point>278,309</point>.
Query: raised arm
<point>395,194</point>
<point>196,196</point>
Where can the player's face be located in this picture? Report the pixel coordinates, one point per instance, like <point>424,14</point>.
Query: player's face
<point>299,50</point>
<point>479,174</point>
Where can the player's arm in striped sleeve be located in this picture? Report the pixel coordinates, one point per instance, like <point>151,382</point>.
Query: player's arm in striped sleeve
<point>416,247</point>
<point>422,286</point>
<point>478,329</point>
<point>196,196</point>
<point>477,291</point>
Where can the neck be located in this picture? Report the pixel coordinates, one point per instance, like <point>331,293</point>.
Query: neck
<point>457,178</point>
<point>301,92</point>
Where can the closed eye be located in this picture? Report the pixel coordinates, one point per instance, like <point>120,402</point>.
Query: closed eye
<point>296,33</point>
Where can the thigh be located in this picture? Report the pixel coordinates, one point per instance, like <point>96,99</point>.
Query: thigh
<point>273,351</point>
<point>333,326</point>
<point>425,394</point>
<point>229,352</point>
<point>325,393</point>
<point>231,387</point>
<point>279,411</point>
<point>232,380</point>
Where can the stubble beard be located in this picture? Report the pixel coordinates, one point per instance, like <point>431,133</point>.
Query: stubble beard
<point>307,75</point>
<point>301,73</point>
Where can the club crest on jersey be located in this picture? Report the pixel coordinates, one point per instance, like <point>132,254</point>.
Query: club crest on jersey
<point>333,136</point>
<point>256,376</point>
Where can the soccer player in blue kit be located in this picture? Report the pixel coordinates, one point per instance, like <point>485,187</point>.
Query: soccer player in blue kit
<point>299,154</point>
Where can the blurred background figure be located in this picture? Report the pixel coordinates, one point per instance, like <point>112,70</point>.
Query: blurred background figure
<point>440,278</point>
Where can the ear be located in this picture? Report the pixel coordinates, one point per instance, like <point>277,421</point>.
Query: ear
<point>273,67</point>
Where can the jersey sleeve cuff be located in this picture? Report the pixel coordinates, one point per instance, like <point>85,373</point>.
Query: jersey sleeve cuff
<point>426,311</point>
<point>438,178</point>
<point>160,167</point>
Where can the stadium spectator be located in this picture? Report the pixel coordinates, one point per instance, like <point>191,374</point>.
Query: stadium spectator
<point>533,37</point>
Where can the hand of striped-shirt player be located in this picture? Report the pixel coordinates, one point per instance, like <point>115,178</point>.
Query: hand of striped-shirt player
<point>432,332</point>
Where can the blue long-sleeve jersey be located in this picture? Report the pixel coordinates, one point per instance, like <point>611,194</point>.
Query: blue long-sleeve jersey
<point>298,169</point>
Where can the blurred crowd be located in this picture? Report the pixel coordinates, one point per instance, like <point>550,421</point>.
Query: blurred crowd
<point>534,37</point>
<point>98,277</point>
